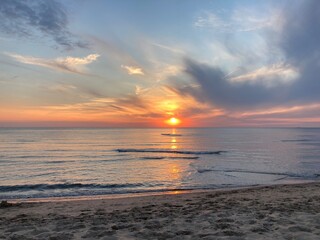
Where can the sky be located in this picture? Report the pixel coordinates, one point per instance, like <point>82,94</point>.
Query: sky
<point>137,63</point>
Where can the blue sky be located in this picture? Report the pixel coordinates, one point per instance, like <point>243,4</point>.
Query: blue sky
<point>138,63</point>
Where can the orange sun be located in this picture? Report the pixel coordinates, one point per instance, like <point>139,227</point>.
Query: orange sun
<point>173,121</point>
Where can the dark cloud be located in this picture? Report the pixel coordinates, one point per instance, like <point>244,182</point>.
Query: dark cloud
<point>214,87</point>
<point>300,42</point>
<point>301,35</point>
<point>29,18</point>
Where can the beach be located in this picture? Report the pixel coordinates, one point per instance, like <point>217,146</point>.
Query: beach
<point>289,211</point>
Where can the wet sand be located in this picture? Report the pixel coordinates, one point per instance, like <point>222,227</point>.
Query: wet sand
<point>271,212</point>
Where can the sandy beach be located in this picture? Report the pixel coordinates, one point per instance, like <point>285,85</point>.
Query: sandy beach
<point>269,212</point>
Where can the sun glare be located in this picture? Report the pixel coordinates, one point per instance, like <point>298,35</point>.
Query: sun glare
<point>173,121</point>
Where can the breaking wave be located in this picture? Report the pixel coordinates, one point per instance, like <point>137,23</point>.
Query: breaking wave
<point>60,186</point>
<point>286,174</point>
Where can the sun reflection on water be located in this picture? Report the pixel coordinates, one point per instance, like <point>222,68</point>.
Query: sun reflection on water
<point>174,171</point>
<point>174,143</point>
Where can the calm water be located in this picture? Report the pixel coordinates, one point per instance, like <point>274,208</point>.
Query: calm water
<point>79,162</point>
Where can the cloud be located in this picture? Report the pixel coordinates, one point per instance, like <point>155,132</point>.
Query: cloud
<point>132,102</point>
<point>141,90</point>
<point>168,48</point>
<point>209,19</point>
<point>240,20</point>
<point>213,86</point>
<point>293,111</point>
<point>66,64</point>
<point>270,76</point>
<point>131,70</point>
<point>63,88</point>
<point>300,41</point>
<point>113,49</point>
<point>149,109</point>
<point>292,81</point>
<point>31,18</point>
<point>125,105</point>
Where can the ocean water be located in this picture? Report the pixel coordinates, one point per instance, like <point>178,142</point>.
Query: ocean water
<point>41,163</point>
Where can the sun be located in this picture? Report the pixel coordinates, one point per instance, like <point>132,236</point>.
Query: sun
<point>173,121</point>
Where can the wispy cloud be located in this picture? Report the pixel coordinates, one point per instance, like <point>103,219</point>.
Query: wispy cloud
<point>125,106</point>
<point>140,90</point>
<point>283,111</point>
<point>65,64</point>
<point>168,48</point>
<point>132,70</point>
<point>240,20</point>
<point>209,19</point>
<point>63,88</point>
<point>113,49</point>
<point>270,76</point>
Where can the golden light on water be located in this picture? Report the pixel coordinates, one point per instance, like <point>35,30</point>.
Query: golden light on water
<point>173,147</point>
<point>173,143</point>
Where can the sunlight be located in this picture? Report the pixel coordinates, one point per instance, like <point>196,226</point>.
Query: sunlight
<point>173,143</point>
<point>169,106</point>
<point>173,121</point>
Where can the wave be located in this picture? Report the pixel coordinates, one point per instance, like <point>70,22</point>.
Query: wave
<point>30,156</point>
<point>42,187</point>
<point>42,195</point>
<point>286,174</point>
<point>58,161</point>
<point>205,170</point>
<point>183,157</point>
<point>133,150</point>
<point>296,140</point>
<point>239,171</point>
<point>24,140</point>
<point>171,134</point>
<point>58,150</point>
<point>160,158</point>
<point>153,158</point>
<point>7,161</point>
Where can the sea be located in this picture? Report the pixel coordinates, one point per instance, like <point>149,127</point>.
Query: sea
<point>69,162</point>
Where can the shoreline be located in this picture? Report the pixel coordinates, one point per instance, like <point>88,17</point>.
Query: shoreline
<point>151,193</point>
<point>261,212</point>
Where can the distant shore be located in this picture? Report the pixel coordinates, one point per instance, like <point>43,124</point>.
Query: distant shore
<point>268,212</point>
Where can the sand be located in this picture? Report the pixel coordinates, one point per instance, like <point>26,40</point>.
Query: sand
<point>271,212</point>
